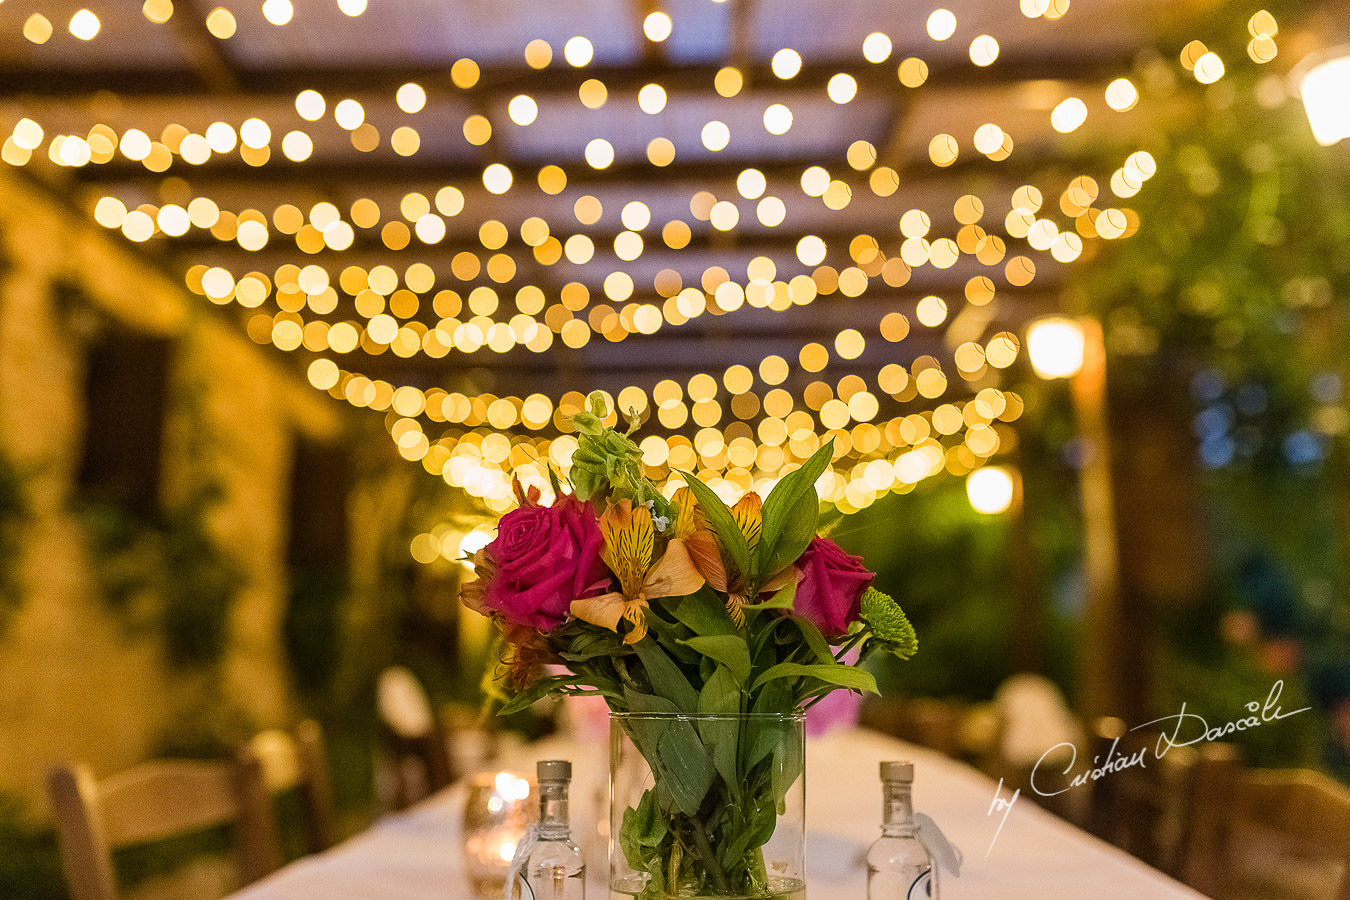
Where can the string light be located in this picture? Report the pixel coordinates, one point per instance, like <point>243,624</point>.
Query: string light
<point>85,25</point>
<point>747,431</point>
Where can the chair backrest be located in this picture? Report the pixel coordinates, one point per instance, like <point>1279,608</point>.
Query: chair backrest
<point>1308,811</point>
<point>1255,829</point>
<point>1206,781</point>
<point>413,736</point>
<point>1131,807</point>
<point>1033,716</point>
<point>1034,732</point>
<point>293,761</point>
<point>151,802</point>
<point>403,704</point>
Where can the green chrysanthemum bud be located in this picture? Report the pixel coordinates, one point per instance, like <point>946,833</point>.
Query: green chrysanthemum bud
<point>889,623</point>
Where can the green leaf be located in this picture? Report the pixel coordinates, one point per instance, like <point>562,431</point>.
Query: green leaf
<point>786,503</point>
<point>773,697</point>
<point>788,764</point>
<point>584,483</point>
<point>799,527</point>
<point>642,827</point>
<point>646,733</point>
<point>593,643</point>
<point>723,524</point>
<point>760,736</point>
<point>679,762</point>
<point>721,696</point>
<point>837,674</point>
<point>641,833</point>
<point>702,612</point>
<point>728,649</point>
<point>666,678</point>
<point>528,697</point>
<point>668,633</point>
<point>755,832</point>
<point>819,647</point>
<point>640,702</point>
<point>781,599</point>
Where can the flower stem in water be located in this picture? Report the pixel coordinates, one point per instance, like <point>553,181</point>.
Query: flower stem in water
<point>703,847</point>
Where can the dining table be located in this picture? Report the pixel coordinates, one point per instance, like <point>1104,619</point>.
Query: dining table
<point>1010,848</point>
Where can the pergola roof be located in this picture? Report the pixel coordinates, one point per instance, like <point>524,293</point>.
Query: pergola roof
<point>173,78</point>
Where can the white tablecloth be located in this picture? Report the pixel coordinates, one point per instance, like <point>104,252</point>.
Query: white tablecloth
<point>1034,855</point>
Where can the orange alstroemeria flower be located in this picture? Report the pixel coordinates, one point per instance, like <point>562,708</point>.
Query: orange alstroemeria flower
<point>721,572</point>
<point>630,542</point>
<point>691,526</point>
<point>471,592</point>
<point>749,515</point>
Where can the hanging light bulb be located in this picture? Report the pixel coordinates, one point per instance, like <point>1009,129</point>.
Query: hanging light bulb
<point>1323,81</point>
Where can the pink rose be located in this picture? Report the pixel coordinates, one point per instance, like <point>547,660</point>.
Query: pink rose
<point>543,558</point>
<point>830,586</point>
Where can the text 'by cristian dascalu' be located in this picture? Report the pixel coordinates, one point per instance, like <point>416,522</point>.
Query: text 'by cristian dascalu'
<point>1182,729</point>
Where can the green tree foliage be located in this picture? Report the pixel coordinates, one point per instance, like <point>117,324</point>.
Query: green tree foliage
<point>1243,255</point>
<point>1240,269</point>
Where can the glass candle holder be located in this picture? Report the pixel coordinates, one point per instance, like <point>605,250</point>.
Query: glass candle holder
<point>498,808</point>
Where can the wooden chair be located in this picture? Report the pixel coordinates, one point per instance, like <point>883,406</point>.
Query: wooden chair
<point>413,737</point>
<point>1128,808</point>
<point>151,802</point>
<point>1204,781</point>
<point>1271,834</point>
<point>294,761</point>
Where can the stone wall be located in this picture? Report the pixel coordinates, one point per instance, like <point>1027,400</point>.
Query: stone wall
<point>75,680</point>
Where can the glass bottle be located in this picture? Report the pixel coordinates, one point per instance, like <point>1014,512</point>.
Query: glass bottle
<point>554,869</point>
<point>898,866</point>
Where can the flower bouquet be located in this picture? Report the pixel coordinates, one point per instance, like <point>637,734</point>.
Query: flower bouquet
<point>704,627</point>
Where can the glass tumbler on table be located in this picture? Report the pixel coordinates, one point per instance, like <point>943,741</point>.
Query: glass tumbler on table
<point>498,809</point>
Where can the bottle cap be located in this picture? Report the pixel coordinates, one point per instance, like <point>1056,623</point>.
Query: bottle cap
<point>897,770</point>
<point>554,770</point>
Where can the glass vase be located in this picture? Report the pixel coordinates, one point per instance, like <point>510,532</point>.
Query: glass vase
<point>707,806</point>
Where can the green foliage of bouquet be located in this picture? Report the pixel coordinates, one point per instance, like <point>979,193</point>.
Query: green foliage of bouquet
<point>684,606</point>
